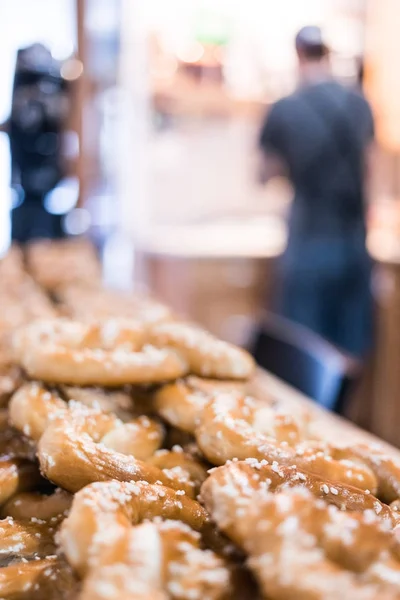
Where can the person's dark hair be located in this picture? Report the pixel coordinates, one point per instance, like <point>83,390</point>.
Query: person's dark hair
<point>310,44</point>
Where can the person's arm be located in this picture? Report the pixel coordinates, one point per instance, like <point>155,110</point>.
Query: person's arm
<point>270,161</point>
<point>269,166</point>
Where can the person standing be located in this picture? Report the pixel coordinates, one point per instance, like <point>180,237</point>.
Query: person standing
<point>320,137</point>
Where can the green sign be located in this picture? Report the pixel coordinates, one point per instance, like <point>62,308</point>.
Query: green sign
<point>212,28</point>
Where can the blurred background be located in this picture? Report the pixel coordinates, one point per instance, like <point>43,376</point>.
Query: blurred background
<point>138,123</point>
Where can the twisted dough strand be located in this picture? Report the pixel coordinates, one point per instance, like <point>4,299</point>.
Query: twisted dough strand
<point>301,547</point>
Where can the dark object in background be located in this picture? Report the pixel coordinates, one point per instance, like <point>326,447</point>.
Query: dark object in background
<point>305,361</point>
<point>40,106</point>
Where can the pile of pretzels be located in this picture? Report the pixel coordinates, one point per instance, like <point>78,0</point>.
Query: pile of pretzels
<point>135,464</point>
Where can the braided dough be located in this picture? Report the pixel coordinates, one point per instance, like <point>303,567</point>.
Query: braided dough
<point>230,425</point>
<point>117,352</point>
<point>112,507</point>
<point>159,560</point>
<point>77,445</point>
<point>300,547</point>
<point>109,354</point>
<point>50,579</point>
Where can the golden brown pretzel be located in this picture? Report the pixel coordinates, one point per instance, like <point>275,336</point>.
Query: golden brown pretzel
<point>12,443</point>
<point>159,560</point>
<point>47,579</point>
<point>17,475</point>
<point>180,404</point>
<point>384,467</point>
<point>245,478</point>
<point>224,432</point>
<point>117,352</point>
<point>87,303</point>
<point>77,444</point>
<point>58,263</point>
<point>141,437</point>
<point>113,353</point>
<point>111,507</point>
<point>205,355</point>
<point>33,407</point>
<point>37,506</point>
<point>177,460</point>
<point>301,547</point>
<point>124,403</point>
<point>71,454</point>
<point>21,538</point>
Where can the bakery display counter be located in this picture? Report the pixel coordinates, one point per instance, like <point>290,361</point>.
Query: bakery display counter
<point>143,457</point>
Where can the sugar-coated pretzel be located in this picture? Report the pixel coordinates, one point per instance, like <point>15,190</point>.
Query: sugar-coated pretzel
<point>384,467</point>
<point>115,352</point>
<point>76,444</point>
<point>141,437</point>
<point>158,559</point>
<point>37,506</point>
<point>205,355</point>
<point>243,479</point>
<point>17,475</point>
<point>225,433</point>
<point>87,303</point>
<point>181,404</point>
<point>329,554</point>
<point>120,351</point>
<point>26,539</point>
<point>123,403</point>
<point>112,507</point>
<point>12,443</point>
<point>299,547</point>
<point>177,459</point>
<point>49,578</point>
<point>71,454</point>
<point>33,407</point>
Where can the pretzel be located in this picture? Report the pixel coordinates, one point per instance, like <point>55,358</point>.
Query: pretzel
<point>32,407</point>
<point>87,303</point>
<point>17,475</point>
<point>159,560</point>
<point>178,460</point>
<point>124,403</point>
<point>226,430</point>
<point>26,539</point>
<point>54,264</point>
<point>113,353</point>
<point>300,547</point>
<point>112,507</point>
<point>205,355</point>
<point>242,479</point>
<point>71,454</point>
<point>78,446</point>
<point>386,470</point>
<point>37,506</point>
<point>141,438</point>
<point>49,578</point>
<point>13,444</point>
<point>10,376</point>
<point>180,402</point>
